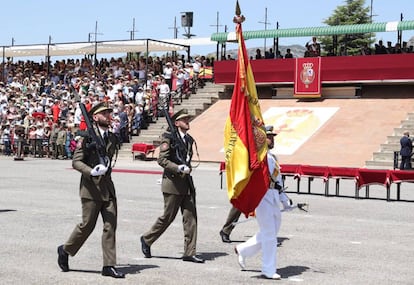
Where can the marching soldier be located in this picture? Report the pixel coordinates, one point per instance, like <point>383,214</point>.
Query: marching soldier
<point>97,193</point>
<point>177,189</point>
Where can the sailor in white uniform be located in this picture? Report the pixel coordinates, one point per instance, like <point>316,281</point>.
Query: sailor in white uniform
<point>268,216</point>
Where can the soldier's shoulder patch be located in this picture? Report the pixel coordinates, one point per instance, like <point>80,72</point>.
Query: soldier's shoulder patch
<point>164,146</point>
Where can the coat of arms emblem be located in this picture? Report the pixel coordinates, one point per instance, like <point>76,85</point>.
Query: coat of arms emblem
<point>307,75</point>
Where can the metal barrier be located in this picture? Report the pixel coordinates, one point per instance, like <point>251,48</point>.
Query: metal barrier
<point>363,178</point>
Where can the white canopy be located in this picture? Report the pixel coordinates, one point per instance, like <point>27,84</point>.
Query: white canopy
<point>85,48</point>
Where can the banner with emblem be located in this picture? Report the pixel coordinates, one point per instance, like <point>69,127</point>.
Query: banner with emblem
<point>245,136</point>
<point>308,77</point>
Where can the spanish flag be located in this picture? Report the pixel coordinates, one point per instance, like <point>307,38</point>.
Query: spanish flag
<point>245,136</point>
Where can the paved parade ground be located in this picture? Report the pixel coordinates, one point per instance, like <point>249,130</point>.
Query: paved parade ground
<point>339,241</point>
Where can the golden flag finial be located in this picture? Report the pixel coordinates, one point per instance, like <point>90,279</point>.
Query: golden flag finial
<point>239,18</point>
<point>238,12</point>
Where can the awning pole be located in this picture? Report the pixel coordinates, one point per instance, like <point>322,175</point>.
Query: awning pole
<point>3,65</point>
<point>146,65</point>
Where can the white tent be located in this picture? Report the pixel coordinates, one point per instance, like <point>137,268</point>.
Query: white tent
<point>85,48</point>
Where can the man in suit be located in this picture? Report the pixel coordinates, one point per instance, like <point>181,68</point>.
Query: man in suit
<point>97,193</point>
<point>177,188</point>
<point>405,151</point>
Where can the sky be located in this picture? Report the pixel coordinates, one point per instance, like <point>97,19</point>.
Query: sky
<point>26,22</point>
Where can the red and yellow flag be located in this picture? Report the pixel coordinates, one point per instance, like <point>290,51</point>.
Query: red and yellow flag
<point>245,136</point>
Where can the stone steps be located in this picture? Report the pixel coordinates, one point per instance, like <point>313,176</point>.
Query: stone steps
<point>380,164</point>
<point>384,158</point>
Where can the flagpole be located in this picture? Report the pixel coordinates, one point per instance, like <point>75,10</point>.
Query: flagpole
<point>245,145</point>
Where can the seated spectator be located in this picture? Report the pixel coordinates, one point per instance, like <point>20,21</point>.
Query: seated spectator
<point>288,53</point>
<point>390,48</point>
<point>279,54</point>
<point>308,52</point>
<point>398,49</point>
<point>258,54</point>
<point>330,52</point>
<point>269,54</point>
<point>366,50</point>
<point>405,48</point>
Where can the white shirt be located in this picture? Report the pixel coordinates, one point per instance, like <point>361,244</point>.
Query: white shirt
<point>168,72</point>
<point>40,133</point>
<point>196,66</point>
<point>164,89</point>
<point>180,79</point>
<point>139,97</point>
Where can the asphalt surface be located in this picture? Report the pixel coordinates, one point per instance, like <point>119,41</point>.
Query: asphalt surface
<point>339,241</point>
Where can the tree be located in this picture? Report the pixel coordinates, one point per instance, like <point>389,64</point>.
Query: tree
<point>353,12</point>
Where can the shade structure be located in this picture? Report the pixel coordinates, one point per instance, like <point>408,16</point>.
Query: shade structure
<point>318,31</point>
<point>85,48</point>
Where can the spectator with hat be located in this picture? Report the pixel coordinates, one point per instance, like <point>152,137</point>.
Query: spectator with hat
<point>168,74</point>
<point>164,94</point>
<point>197,64</point>
<point>139,96</point>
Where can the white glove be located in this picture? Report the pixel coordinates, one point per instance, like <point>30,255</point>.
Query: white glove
<point>184,169</point>
<point>286,206</point>
<point>99,170</point>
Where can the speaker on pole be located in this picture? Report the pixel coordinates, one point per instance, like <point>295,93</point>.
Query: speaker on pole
<point>187,19</point>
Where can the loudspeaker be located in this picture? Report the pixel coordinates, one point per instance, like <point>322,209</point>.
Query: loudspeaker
<point>187,19</point>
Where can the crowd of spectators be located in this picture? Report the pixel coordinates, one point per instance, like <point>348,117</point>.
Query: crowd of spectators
<point>39,100</point>
<point>379,48</point>
<point>313,49</point>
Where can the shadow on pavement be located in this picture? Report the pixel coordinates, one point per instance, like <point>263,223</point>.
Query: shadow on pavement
<point>290,271</point>
<point>7,210</point>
